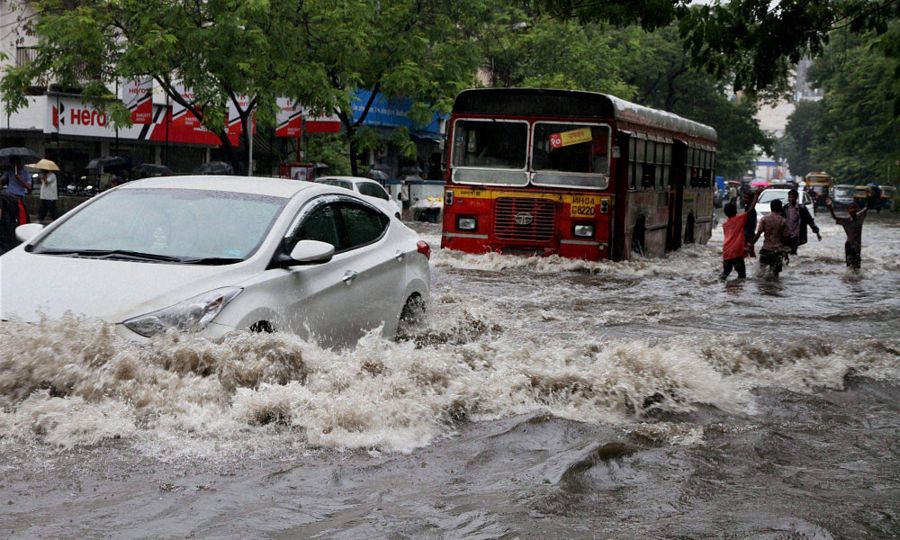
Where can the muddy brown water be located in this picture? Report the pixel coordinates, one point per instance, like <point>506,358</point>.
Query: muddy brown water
<point>540,398</point>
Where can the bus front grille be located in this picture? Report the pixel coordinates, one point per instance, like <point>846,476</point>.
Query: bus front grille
<point>524,219</point>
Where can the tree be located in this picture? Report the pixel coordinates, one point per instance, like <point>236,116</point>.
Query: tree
<point>220,49</point>
<point>751,43</point>
<point>858,138</point>
<point>317,52</point>
<point>424,51</point>
<point>799,137</point>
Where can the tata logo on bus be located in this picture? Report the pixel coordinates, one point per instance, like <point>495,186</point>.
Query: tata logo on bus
<point>524,218</point>
<point>568,138</point>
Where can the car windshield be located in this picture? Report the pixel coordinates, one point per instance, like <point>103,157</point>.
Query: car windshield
<point>171,225</point>
<point>843,192</point>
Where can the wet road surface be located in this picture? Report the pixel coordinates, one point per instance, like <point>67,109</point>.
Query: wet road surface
<point>540,398</point>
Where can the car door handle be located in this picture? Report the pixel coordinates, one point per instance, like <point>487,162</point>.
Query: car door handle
<point>399,255</point>
<point>349,276</point>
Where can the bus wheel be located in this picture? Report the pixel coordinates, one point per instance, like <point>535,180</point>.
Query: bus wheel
<point>689,230</point>
<point>638,244</point>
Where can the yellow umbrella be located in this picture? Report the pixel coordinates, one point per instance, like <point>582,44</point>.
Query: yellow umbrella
<point>44,165</point>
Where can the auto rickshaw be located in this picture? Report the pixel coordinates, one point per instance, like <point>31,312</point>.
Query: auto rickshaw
<point>822,184</point>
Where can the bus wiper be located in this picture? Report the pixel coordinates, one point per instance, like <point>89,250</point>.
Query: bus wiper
<point>111,254</point>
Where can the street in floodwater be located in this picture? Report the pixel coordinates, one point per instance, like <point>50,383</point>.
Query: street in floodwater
<point>541,398</point>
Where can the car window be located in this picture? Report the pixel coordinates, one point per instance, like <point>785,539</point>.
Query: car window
<point>320,225</point>
<point>372,190</point>
<point>361,225</point>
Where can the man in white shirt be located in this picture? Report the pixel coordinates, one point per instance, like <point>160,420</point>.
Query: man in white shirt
<point>48,196</point>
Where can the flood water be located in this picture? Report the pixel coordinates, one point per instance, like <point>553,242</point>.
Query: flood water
<point>540,398</point>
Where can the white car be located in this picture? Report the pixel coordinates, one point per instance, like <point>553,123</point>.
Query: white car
<point>366,187</point>
<point>211,254</point>
<point>763,205</point>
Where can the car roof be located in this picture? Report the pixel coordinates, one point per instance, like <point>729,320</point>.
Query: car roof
<point>277,187</point>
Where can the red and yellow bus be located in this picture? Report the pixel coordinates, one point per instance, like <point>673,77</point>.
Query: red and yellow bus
<point>576,174</point>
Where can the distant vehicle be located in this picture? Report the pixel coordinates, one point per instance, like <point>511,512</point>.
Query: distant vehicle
<point>861,196</point>
<point>214,254</point>
<point>364,186</point>
<point>721,192</point>
<point>763,205</point>
<point>426,199</point>
<point>822,183</point>
<point>843,195</point>
<point>888,197</point>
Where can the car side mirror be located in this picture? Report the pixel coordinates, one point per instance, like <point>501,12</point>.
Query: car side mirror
<point>28,231</point>
<point>311,252</point>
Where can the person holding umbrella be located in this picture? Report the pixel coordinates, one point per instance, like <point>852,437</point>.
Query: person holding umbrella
<point>17,183</point>
<point>49,193</point>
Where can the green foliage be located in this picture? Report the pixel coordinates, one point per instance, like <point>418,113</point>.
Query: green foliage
<point>799,135</point>
<point>317,52</point>
<point>750,43</point>
<point>331,149</point>
<point>858,132</point>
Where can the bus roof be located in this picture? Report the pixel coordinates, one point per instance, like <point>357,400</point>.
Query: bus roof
<point>574,103</point>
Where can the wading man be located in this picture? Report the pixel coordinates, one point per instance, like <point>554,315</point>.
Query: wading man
<point>774,227</point>
<point>853,227</point>
<point>798,220</point>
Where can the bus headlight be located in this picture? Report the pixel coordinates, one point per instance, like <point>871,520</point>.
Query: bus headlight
<point>584,231</point>
<point>466,223</point>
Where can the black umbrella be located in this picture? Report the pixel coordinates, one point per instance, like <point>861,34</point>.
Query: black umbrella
<point>110,163</point>
<point>215,167</point>
<point>377,175</point>
<point>150,169</point>
<point>24,155</point>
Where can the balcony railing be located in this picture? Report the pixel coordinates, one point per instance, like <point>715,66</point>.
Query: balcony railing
<point>25,55</point>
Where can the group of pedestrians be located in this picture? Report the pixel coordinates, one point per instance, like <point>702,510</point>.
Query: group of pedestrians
<point>783,230</point>
<point>15,183</point>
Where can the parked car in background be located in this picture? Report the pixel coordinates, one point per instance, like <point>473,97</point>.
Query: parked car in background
<point>861,196</point>
<point>763,205</point>
<point>366,187</point>
<point>212,254</point>
<point>843,195</point>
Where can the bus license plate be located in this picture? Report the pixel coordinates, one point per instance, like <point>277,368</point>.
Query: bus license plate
<point>584,206</point>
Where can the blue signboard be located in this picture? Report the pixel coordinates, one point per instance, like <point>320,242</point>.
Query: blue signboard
<point>392,113</point>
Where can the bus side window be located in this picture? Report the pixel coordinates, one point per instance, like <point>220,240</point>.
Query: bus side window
<point>639,158</point>
<point>660,164</point>
<point>631,160</point>
<point>649,167</point>
<point>667,164</point>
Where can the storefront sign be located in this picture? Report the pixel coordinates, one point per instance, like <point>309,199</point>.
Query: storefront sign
<point>137,96</point>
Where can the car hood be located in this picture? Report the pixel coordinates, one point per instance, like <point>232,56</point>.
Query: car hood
<point>34,285</point>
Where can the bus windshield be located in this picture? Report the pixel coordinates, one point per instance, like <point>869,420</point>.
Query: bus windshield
<point>570,155</point>
<point>490,152</point>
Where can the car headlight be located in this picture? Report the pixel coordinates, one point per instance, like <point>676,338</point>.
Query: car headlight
<point>191,315</point>
<point>584,231</point>
<point>465,223</point>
